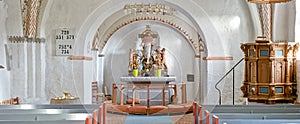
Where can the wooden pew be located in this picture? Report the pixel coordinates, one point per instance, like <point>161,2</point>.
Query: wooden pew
<point>207,116</point>
<point>43,117</point>
<point>31,106</point>
<point>252,108</point>
<point>89,120</point>
<point>43,122</point>
<point>47,116</point>
<point>239,113</point>
<point>215,119</point>
<point>267,117</point>
<point>287,116</point>
<point>200,114</point>
<point>220,120</point>
<point>46,111</point>
<point>101,115</point>
<point>250,118</point>
<point>95,117</point>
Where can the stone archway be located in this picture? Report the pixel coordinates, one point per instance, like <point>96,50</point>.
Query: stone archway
<point>97,18</point>
<point>107,33</point>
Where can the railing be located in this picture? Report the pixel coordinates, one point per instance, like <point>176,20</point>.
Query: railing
<point>231,70</point>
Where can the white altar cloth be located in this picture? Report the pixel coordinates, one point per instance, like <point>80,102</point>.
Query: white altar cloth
<point>148,79</point>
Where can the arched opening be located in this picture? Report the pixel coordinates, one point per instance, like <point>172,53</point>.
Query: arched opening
<point>116,36</point>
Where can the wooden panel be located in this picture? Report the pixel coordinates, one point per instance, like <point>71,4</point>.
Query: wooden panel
<point>279,72</point>
<point>95,117</point>
<point>252,72</point>
<point>263,71</point>
<point>207,116</point>
<point>215,119</point>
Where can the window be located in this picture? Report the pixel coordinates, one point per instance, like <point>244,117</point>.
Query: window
<point>251,52</point>
<point>279,90</point>
<point>279,53</point>
<point>264,52</point>
<point>263,90</point>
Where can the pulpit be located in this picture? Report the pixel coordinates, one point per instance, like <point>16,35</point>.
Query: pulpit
<point>270,72</point>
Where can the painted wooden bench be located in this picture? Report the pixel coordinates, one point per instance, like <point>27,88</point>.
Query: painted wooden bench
<point>42,106</point>
<point>53,114</point>
<point>43,122</point>
<point>227,114</point>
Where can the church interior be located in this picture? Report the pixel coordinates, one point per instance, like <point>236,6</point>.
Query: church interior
<point>149,61</point>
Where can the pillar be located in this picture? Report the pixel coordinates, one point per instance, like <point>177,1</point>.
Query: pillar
<point>297,39</point>
<point>40,66</point>
<point>197,83</point>
<point>100,72</point>
<point>19,84</point>
<point>4,73</point>
<point>31,68</point>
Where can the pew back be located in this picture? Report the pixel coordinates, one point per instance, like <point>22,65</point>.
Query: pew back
<point>51,114</point>
<point>244,114</point>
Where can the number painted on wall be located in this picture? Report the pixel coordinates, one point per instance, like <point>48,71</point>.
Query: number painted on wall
<point>65,41</point>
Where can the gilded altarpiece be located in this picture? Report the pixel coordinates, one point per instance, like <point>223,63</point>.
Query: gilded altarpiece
<point>270,72</point>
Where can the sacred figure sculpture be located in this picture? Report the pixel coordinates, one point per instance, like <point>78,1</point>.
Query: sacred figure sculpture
<point>147,59</point>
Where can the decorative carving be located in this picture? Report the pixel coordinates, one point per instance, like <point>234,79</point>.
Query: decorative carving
<point>244,90</point>
<point>268,1</point>
<point>147,57</point>
<point>296,47</point>
<point>99,43</point>
<point>288,90</point>
<point>160,9</point>
<point>244,49</point>
<point>30,13</point>
<point>20,39</point>
<point>265,13</point>
<point>253,91</point>
<point>273,92</point>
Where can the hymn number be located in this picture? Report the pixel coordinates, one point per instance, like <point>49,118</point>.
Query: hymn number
<point>65,52</point>
<point>65,47</point>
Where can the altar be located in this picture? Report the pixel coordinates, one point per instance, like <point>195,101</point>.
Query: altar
<point>155,89</point>
<point>148,82</point>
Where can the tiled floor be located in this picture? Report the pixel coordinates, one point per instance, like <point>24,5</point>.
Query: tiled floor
<point>177,119</point>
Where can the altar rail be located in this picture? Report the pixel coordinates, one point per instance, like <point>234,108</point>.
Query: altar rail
<point>161,87</point>
<point>248,114</point>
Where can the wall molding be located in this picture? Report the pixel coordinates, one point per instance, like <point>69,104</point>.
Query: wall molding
<point>80,58</point>
<point>218,58</point>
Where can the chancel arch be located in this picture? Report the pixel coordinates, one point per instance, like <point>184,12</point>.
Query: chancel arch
<point>181,26</point>
<point>112,37</point>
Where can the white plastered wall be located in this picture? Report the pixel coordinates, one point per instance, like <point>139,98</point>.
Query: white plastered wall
<point>224,25</point>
